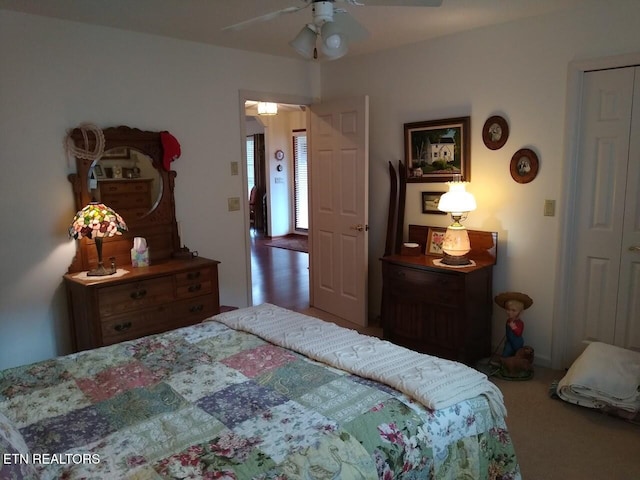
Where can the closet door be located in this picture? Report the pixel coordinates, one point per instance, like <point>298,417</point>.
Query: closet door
<point>627,332</point>
<point>606,274</point>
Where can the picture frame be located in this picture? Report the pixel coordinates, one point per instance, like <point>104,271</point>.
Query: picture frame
<point>495,132</point>
<point>430,202</point>
<point>524,165</point>
<point>438,150</point>
<point>435,237</point>
<point>117,153</point>
<point>97,169</point>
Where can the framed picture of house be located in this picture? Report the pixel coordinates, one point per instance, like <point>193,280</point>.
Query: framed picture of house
<point>430,202</point>
<point>435,237</point>
<point>438,150</point>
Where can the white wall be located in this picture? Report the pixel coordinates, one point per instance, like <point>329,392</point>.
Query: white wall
<point>56,75</point>
<point>518,70</point>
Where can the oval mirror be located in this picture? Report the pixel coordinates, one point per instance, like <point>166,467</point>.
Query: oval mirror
<point>126,180</point>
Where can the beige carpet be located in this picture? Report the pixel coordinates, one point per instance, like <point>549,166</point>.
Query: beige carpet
<point>555,440</point>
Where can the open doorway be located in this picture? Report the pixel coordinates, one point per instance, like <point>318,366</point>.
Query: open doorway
<point>277,189</point>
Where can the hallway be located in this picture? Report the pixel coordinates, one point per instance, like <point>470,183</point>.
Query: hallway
<point>279,276</point>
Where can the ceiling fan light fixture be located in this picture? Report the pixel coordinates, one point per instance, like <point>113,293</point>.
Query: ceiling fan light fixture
<point>267,108</point>
<point>305,42</point>
<point>334,42</point>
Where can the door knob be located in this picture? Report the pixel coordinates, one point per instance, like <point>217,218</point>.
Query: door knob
<point>359,227</point>
<point>634,248</point>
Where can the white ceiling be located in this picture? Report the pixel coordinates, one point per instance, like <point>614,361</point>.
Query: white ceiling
<point>203,20</point>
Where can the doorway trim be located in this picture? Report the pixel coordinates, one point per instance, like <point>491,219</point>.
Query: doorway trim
<point>243,96</point>
<point>575,79</point>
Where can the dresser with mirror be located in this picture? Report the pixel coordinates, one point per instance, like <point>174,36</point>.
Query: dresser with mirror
<point>177,288</point>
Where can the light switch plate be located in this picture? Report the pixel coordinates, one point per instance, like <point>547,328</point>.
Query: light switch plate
<point>549,208</point>
<point>234,168</point>
<point>234,204</point>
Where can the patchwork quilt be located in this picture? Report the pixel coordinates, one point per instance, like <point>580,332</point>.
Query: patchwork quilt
<point>213,402</point>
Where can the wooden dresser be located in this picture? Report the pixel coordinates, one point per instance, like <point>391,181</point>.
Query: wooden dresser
<point>130,197</point>
<point>440,310</point>
<point>145,300</point>
<point>177,289</point>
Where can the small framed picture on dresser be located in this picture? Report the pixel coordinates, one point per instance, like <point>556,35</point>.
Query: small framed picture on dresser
<point>435,237</point>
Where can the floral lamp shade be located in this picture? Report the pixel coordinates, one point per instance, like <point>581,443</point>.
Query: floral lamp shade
<point>97,221</point>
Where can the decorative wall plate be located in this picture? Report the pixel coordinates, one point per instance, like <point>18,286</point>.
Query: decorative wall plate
<point>495,132</point>
<point>524,165</point>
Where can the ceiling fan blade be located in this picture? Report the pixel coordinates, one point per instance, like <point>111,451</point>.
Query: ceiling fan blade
<point>396,3</point>
<point>349,26</point>
<point>264,18</point>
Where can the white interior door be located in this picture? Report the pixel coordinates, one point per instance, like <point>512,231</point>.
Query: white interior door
<point>604,303</point>
<point>339,181</point>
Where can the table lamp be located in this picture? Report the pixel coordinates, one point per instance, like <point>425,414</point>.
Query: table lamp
<point>97,221</point>
<point>457,201</point>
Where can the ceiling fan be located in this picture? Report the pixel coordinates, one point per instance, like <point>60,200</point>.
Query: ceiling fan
<point>334,26</point>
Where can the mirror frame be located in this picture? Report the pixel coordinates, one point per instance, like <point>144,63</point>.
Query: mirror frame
<point>158,226</point>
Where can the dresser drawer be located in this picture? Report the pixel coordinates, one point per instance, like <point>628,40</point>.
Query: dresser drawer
<point>133,325</point>
<point>426,285</point>
<point>125,186</point>
<point>135,295</point>
<point>193,283</point>
<point>126,202</point>
<point>197,308</point>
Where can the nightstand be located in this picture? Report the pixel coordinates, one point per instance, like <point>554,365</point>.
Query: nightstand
<point>439,310</point>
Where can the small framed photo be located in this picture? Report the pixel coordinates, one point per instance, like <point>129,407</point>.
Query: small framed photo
<point>524,165</point>
<point>435,237</point>
<point>99,173</point>
<point>438,150</point>
<point>430,202</point>
<point>495,132</point>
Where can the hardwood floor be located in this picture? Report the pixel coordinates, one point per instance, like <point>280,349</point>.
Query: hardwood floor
<point>280,276</point>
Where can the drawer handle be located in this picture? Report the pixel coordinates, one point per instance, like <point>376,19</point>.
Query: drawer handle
<point>138,294</point>
<point>400,274</point>
<point>193,275</point>
<point>121,327</point>
<point>196,308</point>
<point>195,288</point>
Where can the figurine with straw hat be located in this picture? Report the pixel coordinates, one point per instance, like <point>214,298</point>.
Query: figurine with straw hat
<point>516,361</point>
<point>514,303</point>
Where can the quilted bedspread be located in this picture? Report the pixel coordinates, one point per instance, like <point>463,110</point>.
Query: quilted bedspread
<point>212,402</point>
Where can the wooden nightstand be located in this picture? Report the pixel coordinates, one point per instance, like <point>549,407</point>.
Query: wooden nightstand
<point>439,310</point>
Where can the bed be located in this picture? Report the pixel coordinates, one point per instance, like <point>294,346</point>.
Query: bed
<point>255,393</point>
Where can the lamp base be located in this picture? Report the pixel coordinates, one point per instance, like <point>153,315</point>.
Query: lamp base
<point>455,260</point>
<point>101,271</point>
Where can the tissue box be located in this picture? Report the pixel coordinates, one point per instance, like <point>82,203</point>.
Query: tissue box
<point>140,258</point>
